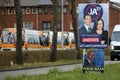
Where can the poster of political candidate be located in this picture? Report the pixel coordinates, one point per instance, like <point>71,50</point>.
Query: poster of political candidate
<point>93,60</point>
<point>93,22</point>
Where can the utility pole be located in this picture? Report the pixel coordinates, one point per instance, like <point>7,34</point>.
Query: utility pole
<point>62,25</point>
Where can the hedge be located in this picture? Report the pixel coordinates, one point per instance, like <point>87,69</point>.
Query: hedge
<point>6,57</point>
<point>35,56</point>
<point>39,56</point>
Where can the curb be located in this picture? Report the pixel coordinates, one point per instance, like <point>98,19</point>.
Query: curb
<point>24,68</point>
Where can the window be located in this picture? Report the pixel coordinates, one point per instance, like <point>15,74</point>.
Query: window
<point>59,10</point>
<point>28,25</point>
<point>71,25</point>
<point>46,10</point>
<point>76,9</point>
<point>33,10</point>
<point>51,10</point>
<point>15,25</point>
<point>3,11</point>
<point>59,26</point>
<point>9,10</point>
<point>40,10</point>
<point>65,10</point>
<point>22,9</point>
<point>46,25</point>
<point>27,10</point>
<point>14,11</point>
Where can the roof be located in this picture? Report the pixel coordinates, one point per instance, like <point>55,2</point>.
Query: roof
<point>49,2</point>
<point>65,2</point>
<point>117,1</point>
<point>23,3</point>
<point>115,5</point>
<point>30,3</point>
<point>2,3</point>
<point>45,2</point>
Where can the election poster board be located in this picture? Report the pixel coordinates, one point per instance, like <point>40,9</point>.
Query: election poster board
<point>99,18</point>
<point>93,22</point>
<point>93,60</point>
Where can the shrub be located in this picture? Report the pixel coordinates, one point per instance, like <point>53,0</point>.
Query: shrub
<point>6,58</point>
<point>39,56</point>
<point>36,56</point>
<point>107,51</point>
<point>67,54</point>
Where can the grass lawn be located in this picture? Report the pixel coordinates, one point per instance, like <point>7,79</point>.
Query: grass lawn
<point>112,72</point>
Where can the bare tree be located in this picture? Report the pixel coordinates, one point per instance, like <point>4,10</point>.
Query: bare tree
<point>75,27</point>
<point>54,43</point>
<point>19,56</point>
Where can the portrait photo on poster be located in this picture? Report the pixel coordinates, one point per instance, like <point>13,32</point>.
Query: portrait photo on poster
<point>93,21</point>
<point>93,60</point>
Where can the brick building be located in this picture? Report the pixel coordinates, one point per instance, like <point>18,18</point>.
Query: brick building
<point>38,15</point>
<point>114,16</point>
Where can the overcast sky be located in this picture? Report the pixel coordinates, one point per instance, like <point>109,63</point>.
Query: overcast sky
<point>115,1</point>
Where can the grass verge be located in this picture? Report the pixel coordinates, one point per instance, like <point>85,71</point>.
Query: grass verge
<point>43,64</point>
<point>111,73</point>
<point>34,65</point>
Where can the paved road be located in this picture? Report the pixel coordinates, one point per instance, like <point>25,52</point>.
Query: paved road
<point>44,70</point>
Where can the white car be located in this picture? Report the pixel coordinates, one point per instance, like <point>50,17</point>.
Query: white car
<point>115,43</point>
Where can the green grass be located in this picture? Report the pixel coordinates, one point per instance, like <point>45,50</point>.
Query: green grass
<point>112,72</point>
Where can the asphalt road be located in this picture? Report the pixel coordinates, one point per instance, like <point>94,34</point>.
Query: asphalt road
<point>44,70</point>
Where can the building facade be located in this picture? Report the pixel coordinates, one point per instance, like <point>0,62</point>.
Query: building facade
<point>38,15</point>
<point>114,16</point>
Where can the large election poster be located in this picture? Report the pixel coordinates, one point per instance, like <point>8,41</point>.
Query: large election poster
<point>93,22</point>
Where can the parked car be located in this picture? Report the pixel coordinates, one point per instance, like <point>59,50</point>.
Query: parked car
<point>115,43</point>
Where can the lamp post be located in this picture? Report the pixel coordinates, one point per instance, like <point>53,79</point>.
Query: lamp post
<point>37,18</point>
<point>62,25</point>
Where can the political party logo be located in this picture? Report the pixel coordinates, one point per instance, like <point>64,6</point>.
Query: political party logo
<point>95,10</point>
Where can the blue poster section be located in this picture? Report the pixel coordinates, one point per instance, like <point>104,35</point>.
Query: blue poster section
<point>86,27</point>
<point>93,22</point>
<point>99,58</point>
<point>93,60</point>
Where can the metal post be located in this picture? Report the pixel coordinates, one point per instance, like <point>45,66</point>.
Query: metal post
<point>37,17</point>
<point>62,25</point>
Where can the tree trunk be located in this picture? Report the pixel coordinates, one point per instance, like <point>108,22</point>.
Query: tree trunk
<point>54,41</point>
<point>75,27</point>
<point>19,56</point>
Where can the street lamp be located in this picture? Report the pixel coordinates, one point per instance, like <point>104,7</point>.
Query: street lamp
<point>62,25</point>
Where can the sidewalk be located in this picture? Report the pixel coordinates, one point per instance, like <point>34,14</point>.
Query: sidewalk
<point>37,70</point>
